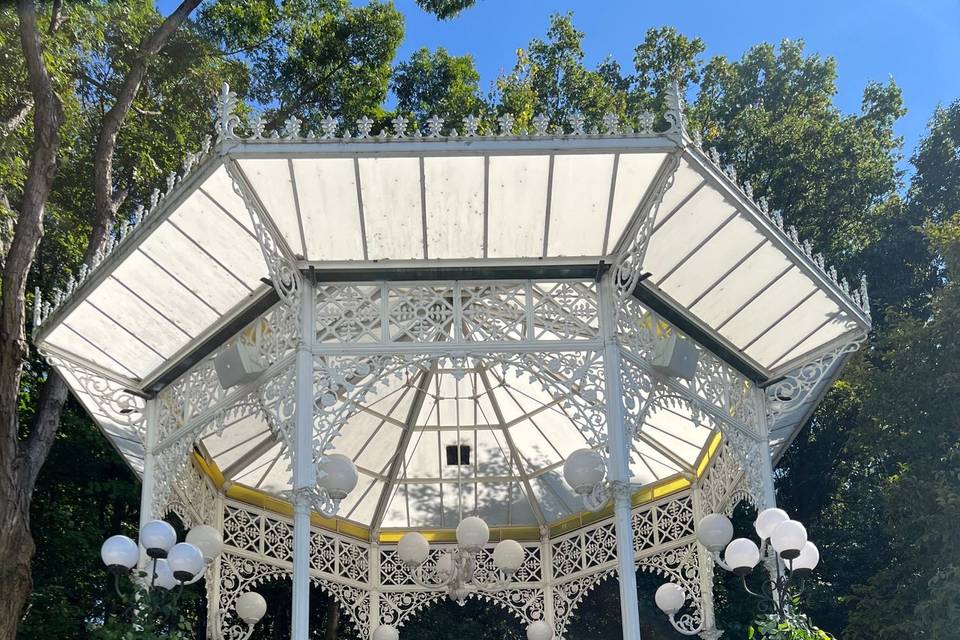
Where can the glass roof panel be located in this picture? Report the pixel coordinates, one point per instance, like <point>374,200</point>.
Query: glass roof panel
<point>454,206</point>
<point>635,171</point>
<point>164,293</point>
<point>213,284</point>
<point>227,241</point>
<point>768,308</point>
<point>121,343</point>
<point>329,208</point>
<point>579,204</point>
<point>706,265</point>
<point>517,205</point>
<point>812,314</point>
<point>273,183</point>
<point>392,209</point>
<point>154,329</point>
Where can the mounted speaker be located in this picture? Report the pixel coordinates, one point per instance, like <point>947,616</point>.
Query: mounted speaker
<point>676,357</point>
<point>239,363</point>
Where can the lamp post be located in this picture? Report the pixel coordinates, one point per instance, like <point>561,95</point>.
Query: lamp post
<point>456,570</point>
<point>173,565</point>
<point>795,558</point>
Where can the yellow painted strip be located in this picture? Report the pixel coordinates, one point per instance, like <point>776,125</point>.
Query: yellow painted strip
<point>268,502</point>
<point>711,449</point>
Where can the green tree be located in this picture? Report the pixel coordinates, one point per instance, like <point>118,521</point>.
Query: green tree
<point>550,78</point>
<point>437,84</point>
<point>913,430</point>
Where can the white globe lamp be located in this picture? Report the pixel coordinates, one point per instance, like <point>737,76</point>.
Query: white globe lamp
<point>715,532</point>
<point>386,632</point>
<point>508,556</point>
<point>250,607</point>
<point>120,554</point>
<point>670,598</point>
<point>445,565</point>
<point>157,538</point>
<point>583,470</point>
<point>185,560</point>
<point>163,576</point>
<point>807,561</point>
<point>337,475</point>
<point>472,533</point>
<point>539,630</point>
<point>742,555</point>
<point>788,539</point>
<point>208,540</point>
<point>767,520</point>
<point>413,549</point>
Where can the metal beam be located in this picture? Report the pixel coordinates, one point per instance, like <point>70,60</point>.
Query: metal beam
<point>527,488</point>
<point>421,384</point>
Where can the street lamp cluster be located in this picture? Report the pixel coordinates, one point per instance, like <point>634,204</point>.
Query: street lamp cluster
<point>783,540</point>
<point>172,565</point>
<point>456,571</point>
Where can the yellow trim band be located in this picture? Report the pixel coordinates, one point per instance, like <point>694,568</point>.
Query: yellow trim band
<point>258,498</point>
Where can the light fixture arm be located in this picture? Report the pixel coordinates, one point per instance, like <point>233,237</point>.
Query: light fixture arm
<point>462,579</point>
<point>221,618</point>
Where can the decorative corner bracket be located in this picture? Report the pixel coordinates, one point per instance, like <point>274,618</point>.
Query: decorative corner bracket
<point>281,264</point>
<point>787,394</point>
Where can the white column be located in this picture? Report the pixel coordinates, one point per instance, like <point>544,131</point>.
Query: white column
<point>213,577</point>
<point>147,508</point>
<point>304,474</point>
<point>546,575</point>
<point>374,581</point>
<point>619,463</point>
<point>705,566</point>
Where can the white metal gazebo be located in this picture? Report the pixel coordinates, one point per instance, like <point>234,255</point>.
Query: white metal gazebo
<point>457,313</point>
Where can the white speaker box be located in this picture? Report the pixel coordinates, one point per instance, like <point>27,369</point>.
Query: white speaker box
<point>676,357</point>
<point>238,364</point>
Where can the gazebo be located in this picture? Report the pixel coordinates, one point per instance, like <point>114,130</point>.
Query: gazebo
<point>453,316</point>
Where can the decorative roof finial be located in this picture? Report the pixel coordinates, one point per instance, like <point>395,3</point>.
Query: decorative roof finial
<point>227,119</point>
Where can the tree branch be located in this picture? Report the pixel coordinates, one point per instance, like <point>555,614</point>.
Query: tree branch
<point>105,202</point>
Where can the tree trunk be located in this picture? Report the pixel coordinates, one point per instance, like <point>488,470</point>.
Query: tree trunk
<point>16,552</point>
<point>16,487</point>
<point>21,460</point>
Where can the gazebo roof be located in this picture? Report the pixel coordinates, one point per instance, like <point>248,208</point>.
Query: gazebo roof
<point>402,207</point>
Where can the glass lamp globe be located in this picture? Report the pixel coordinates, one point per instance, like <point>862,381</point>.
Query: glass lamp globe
<point>539,630</point>
<point>157,537</point>
<point>670,598</point>
<point>413,549</point>
<point>508,556</point>
<point>742,555</point>
<point>163,575</point>
<point>715,532</point>
<point>250,607</point>
<point>788,539</point>
<point>584,470</point>
<point>185,561</point>
<point>338,475</point>
<point>120,554</point>
<point>445,565</point>
<point>386,632</point>
<point>807,561</point>
<point>208,540</point>
<point>767,520</point>
<point>472,533</point>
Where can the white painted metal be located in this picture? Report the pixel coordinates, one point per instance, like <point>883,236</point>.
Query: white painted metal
<point>619,464</point>
<point>304,471</point>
